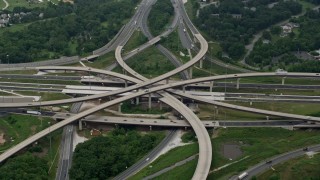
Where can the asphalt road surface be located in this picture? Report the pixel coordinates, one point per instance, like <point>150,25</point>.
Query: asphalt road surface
<point>267,164</point>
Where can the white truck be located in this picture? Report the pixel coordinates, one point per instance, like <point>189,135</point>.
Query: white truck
<point>87,77</point>
<point>281,72</point>
<point>34,112</point>
<point>243,175</point>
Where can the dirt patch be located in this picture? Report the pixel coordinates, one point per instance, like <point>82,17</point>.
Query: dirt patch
<point>231,150</point>
<point>41,154</point>
<point>33,129</point>
<point>2,139</point>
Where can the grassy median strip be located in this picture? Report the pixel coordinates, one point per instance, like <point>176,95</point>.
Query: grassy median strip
<point>175,155</point>
<point>41,81</point>
<point>17,128</point>
<point>45,96</point>
<point>258,144</point>
<point>182,172</point>
<point>299,168</point>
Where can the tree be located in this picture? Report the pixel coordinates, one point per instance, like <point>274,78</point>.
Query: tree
<point>266,35</point>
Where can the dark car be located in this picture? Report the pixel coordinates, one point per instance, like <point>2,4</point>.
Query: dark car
<point>269,162</point>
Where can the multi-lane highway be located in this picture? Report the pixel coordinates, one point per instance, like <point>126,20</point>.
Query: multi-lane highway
<point>267,164</point>
<point>144,86</point>
<point>66,147</point>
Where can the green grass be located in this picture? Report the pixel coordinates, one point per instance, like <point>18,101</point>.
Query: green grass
<point>103,61</point>
<point>41,81</point>
<point>214,48</point>
<point>207,112</point>
<point>5,94</point>
<point>181,172</point>
<point>24,3</point>
<point>14,28</point>
<point>135,40</point>
<point>19,72</point>
<point>294,108</point>
<point>190,9</point>
<point>278,80</point>
<point>2,4</point>
<point>173,43</point>
<point>299,168</point>
<point>269,91</point>
<point>168,159</point>
<point>45,96</point>
<point>129,108</point>
<point>260,144</point>
<point>150,63</point>
<point>306,5</point>
<point>20,127</point>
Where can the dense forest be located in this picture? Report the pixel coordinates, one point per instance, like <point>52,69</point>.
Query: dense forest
<point>233,23</point>
<point>305,39</point>
<point>70,30</point>
<point>24,167</point>
<point>105,157</point>
<point>160,16</point>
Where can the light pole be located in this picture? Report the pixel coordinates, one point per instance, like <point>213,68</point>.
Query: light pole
<point>50,152</point>
<point>225,91</point>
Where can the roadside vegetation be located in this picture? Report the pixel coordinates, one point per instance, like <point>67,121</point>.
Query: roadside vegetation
<point>299,168</point>
<point>103,61</point>
<point>128,107</point>
<point>105,157</point>
<point>173,44</point>
<point>233,23</point>
<point>43,81</point>
<point>150,63</point>
<point>25,167</point>
<point>168,159</point>
<point>15,128</point>
<point>210,112</point>
<point>257,144</point>
<point>45,96</point>
<point>183,172</point>
<point>135,40</point>
<point>73,29</point>
<point>293,52</point>
<point>159,17</point>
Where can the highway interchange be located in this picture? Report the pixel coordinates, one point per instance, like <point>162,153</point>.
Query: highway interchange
<point>144,87</point>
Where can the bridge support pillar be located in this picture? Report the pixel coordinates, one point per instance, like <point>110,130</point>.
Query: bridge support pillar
<point>160,105</point>
<point>190,72</point>
<point>211,85</point>
<point>283,79</point>
<point>119,107</point>
<point>267,117</point>
<point>149,101</point>
<point>150,128</point>
<point>167,81</point>
<point>201,63</point>
<point>238,83</point>
<point>137,100</point>
<point>184,89</point>
<point>125,83</point>
<point>80,124</point>
<point>185,128</point>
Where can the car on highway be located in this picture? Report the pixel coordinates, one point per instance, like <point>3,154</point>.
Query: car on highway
<point>281,72</point>
<point>268,161</point>
<point>243,175</point>
<point>305,149</point>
